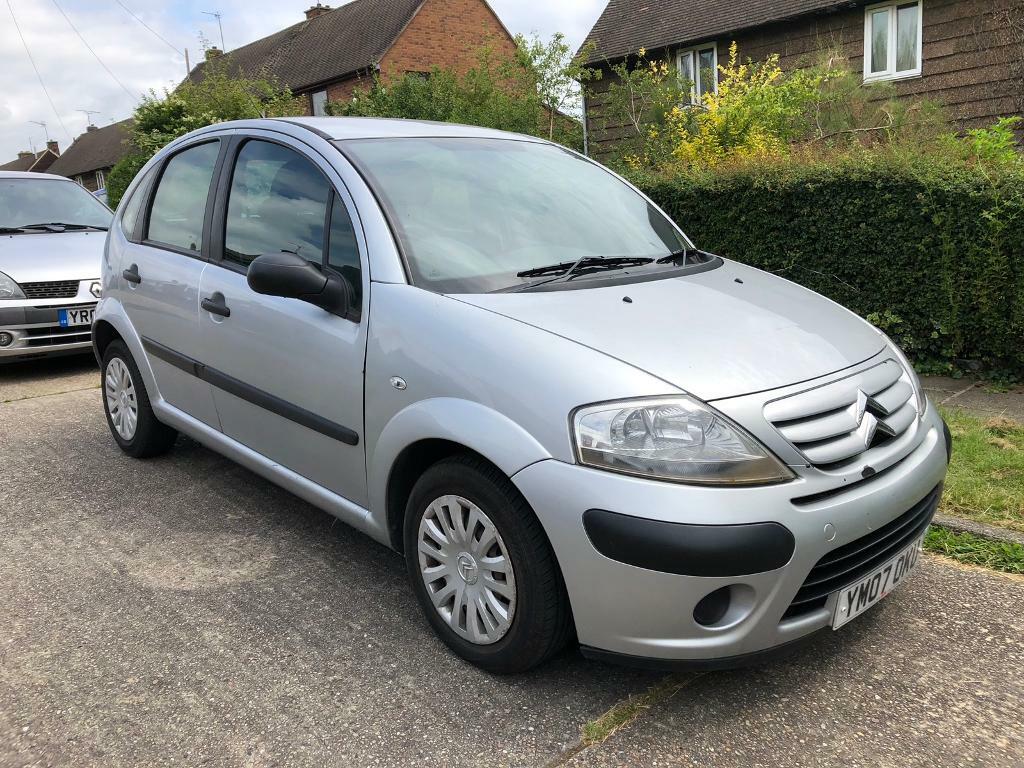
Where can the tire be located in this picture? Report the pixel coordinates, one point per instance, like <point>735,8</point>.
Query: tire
<point>539,621</point>
<point>120,374</point>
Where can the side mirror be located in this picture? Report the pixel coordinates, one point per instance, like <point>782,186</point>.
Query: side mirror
<point>291,276</point>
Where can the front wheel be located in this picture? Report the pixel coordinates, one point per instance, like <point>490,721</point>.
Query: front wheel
<point>483,569</point>
<point>130,416</point>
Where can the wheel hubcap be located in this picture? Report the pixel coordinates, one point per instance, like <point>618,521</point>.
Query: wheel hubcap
<point>122,404</point>
<point>466,569</point>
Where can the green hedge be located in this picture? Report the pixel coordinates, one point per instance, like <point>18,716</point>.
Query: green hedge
<point>932,255</point>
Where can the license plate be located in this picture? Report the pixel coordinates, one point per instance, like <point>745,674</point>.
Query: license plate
<point>70,317</point>
<point>860,597</point>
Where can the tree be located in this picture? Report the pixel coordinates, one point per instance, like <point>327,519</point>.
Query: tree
<point>214,98</point>
<point>557,74</point>
<point>531,92</point>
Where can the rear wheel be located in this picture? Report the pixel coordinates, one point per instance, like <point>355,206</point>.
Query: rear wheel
<point>483,569</point>
<point>130,416</point>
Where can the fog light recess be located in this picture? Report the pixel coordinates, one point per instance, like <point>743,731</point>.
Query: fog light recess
<point>6,339</point>
<point>724,607</point>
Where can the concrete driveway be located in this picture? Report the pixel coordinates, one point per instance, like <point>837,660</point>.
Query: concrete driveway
<point>183,611</point>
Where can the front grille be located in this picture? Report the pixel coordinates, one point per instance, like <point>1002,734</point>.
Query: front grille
<point>53,335</point>
<point>833,424</point>
<point>58,289</point>
<point>852,562</point>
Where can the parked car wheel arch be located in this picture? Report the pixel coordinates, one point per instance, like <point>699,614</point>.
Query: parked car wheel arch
<point>103,333</point>
<point>407,469</point>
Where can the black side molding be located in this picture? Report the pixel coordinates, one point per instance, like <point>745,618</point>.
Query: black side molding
<point>949,441</point>
<point>251,394</point>
<point>690,550</point>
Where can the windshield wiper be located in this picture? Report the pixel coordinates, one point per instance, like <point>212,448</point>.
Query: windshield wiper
<point>60,226</point>
<point>680,256</point>
<point>567,269</point>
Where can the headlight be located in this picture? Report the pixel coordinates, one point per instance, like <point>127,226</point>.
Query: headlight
<point>920,398</point>
<point>675,438</point>
<point>10,289</point>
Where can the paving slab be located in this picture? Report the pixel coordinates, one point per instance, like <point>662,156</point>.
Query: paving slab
<point>975,396</point>
<point>933,676</point>
<point>47,376</point>
<point>979,401</point>
<point>941,387</point>
<point>182,611</point>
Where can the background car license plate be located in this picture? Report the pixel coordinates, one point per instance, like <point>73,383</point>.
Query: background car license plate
<point>858,598</point>
<point>69,317</point>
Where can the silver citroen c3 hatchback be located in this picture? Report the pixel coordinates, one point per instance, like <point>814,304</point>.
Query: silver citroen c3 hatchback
<point>502,360</point>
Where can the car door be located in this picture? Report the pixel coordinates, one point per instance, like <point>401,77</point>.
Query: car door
<point>287,376</point>
<point>162,262</point>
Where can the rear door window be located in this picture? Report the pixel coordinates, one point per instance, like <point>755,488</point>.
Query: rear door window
<point>130,216</point>
<point>179,203</point>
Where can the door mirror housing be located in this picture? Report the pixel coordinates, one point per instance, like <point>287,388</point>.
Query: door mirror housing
<point>292,277</point>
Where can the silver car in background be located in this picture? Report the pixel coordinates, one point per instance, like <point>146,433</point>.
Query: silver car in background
<point>52,233</point>
<point>502,360</point>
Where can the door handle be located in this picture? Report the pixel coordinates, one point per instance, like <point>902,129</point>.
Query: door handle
<point>132,274</point>
<point>216,305</point>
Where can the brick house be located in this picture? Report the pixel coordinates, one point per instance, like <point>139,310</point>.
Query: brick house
<point>333,52</point>
<point>89,159</point>
<point>966,54</point>
<point>36,162</point>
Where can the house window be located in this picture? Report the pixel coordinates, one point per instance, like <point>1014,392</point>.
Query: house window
<point>319,103</point>
<point>892,41</point>
<point>699,67</point>
<point>79,180</point>
<point>101,180</point>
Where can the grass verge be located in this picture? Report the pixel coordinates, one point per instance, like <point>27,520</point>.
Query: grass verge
<point>625,712</point>
<point>976,550</point>
<point>986,476</point>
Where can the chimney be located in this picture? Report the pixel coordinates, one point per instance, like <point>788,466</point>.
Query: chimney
<point>317,10</point>
<point>25,153</point>
<point>53,147</point>
<point>90,128</point>
<point>213,53</point>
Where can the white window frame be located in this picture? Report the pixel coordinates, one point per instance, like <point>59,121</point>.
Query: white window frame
<point>319,98</point>
<point>79,181</point>
<point>890,72</point>
<point>696,91</point>
<point>101,180</point>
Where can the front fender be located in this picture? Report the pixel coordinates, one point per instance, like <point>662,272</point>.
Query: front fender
<point>481,429</point>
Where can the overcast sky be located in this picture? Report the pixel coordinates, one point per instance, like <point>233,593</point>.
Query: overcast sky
<point>139,61</point>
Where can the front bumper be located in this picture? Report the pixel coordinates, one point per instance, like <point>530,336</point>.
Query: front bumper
<point>36,330</point>
<point>636,614</point>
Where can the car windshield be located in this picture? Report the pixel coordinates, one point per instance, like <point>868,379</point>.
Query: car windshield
<point>472,214</point>
<point>26,202</point>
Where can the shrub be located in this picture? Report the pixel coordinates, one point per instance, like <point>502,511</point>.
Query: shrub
<point>216,97</point>
<point>532,92</point>
<point>758,111</point>
<point>931,251</point>
<point>121,176</point>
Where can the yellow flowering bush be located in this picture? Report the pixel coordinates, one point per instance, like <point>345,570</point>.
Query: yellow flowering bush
<point>656,121</point>
<point>756,113</point>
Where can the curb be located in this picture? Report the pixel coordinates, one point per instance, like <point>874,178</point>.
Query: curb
<point>959,525</point>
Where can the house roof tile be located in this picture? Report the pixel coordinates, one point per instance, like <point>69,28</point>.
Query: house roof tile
<point>628,25</point>
<point>39,162</point>
<point>327,47</point>
<point>94,150</point>
<point>22,163</point>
